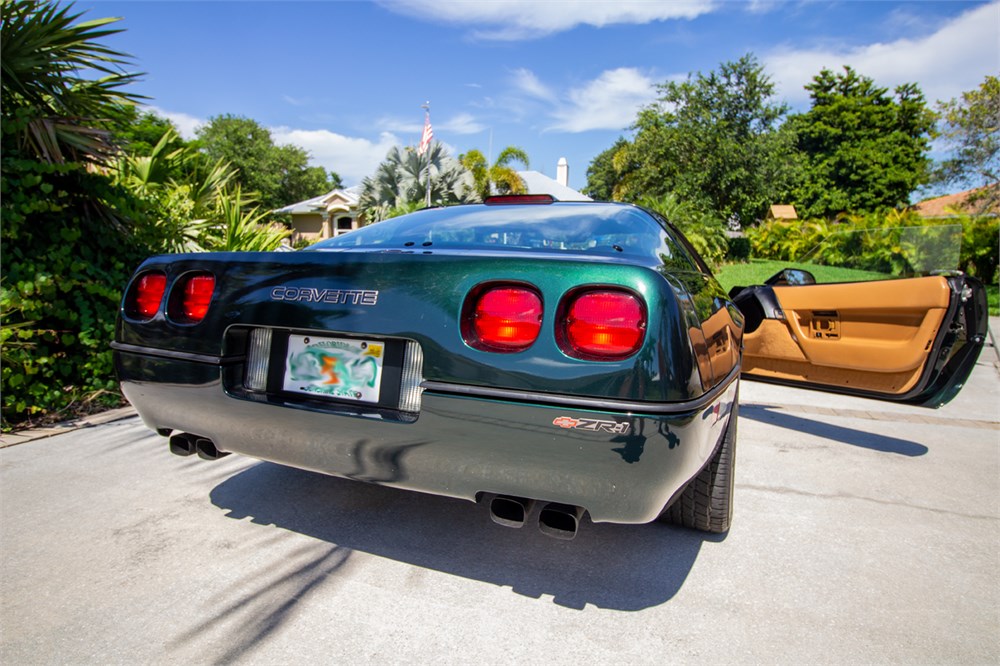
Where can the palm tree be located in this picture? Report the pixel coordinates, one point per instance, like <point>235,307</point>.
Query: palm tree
<point>500,178</point>
<point>182,193</point>
<point>704,230</point>
<point>58,83</point>
<point>400,182</point>
<point>242,228</point>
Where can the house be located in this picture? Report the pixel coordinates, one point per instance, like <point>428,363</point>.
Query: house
<point>539,183</point>
<point>970,201</point>
<point>336,212</point>
<point>325,216</point>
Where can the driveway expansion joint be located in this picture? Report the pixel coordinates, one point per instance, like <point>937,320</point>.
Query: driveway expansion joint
<point>784,490</point>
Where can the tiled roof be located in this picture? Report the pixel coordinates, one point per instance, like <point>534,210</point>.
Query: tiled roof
<point>944,206</point>
<point>318,204</point>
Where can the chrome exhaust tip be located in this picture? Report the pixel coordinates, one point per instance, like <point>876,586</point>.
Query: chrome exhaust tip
<point>182,444</point>
<point>207,449</point>
<point>510,511</point>
<point>560,521</point>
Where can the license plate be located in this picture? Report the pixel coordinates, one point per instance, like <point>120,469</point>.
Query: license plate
<point>334,367</point>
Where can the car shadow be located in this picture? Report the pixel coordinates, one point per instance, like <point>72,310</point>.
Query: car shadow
<point>622,567</point>
<point>868,440</point>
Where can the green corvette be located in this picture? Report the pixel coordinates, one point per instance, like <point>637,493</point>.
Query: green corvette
<point>545,359</point>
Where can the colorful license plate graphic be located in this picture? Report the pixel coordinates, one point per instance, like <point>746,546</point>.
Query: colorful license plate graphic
<point>334,367</point>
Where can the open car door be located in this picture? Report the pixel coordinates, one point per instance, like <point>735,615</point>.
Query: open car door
<point>912,340</point>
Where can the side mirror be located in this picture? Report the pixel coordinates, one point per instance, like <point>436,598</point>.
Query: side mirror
<point>791,277</point>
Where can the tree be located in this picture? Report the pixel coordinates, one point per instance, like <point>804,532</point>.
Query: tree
<point>971,134</point>
<point>706,233</point>
<point>175,192</point>
<point>399,184</point>
<point>602,177</point>
<point>241,227</point>
<point>136,131</point>
<point>713,140</point>
<point>279,175</point>
<point>498,178</point>
<point>189,206</point>
<point>66,250</point>
<point>864,150</point>
<point>59,83</point>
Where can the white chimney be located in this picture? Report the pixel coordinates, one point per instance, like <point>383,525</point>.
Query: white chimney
<point>562,172</point>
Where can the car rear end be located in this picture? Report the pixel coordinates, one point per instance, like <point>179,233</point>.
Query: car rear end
<point>535,378</point>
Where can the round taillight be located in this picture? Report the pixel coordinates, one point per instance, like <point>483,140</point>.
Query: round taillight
<point>146,296</point>
<point>604,325</point>
<point>191,297</point>
<point>506,319</point>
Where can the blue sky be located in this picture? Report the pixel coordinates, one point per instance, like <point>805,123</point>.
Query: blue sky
<point>345,80</point>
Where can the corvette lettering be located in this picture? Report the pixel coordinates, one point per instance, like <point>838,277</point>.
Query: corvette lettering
<point>593,425</point>
<point>333,296</point>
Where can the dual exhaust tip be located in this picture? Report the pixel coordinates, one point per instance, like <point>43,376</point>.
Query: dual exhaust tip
<point>559,521</point>
<point>186,444</point>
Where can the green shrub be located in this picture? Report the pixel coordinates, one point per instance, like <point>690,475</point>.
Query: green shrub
<point>894,243</point>
<point>981,247</point>
<point>64,267</point>
<point>739,250</point>
<point>705,232</point>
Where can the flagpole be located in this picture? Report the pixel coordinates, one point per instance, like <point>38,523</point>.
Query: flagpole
<point>426,106</point>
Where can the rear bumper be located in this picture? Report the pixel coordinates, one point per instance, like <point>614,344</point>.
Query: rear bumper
<point>459,446</point>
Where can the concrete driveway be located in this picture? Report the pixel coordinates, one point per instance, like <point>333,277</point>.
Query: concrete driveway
<point>864,533</point>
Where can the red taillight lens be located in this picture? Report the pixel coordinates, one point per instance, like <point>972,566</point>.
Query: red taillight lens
<point>605,325</point>
<point>147,294</point>
<point>506,319</point>
<point>195,294</point>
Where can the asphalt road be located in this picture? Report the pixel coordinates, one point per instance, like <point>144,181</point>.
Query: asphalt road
<point>864,533</point>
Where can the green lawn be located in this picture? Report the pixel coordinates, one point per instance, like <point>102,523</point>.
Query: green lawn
<point>759,270</point>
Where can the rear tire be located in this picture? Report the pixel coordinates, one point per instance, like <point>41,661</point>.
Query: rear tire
<point>706,504</point>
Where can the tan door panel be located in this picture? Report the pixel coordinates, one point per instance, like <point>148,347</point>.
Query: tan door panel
<point>874,336</point>
<point>914,293</point>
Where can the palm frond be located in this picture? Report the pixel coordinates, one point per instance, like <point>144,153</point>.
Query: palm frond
<point>241,229</point>
<point>60,81</point>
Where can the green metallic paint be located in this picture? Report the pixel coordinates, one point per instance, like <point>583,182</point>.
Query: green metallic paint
<point>421,297</point>
<point>459,446</point>
<point>664,407</point>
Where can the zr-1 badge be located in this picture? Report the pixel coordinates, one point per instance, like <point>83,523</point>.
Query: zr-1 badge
<point>593,425</point>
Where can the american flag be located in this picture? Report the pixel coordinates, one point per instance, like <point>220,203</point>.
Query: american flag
<point>427,137</point>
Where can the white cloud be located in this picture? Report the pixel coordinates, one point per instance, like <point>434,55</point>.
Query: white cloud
<point>526,82</point>
<point>351,157</point>
<point>526,19</point>
<point>399,125</point>
<point>463,123</point>
<point>186,124</point>
<point>763,6</point>
<point>610,101</point>
<point>955,58</point>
